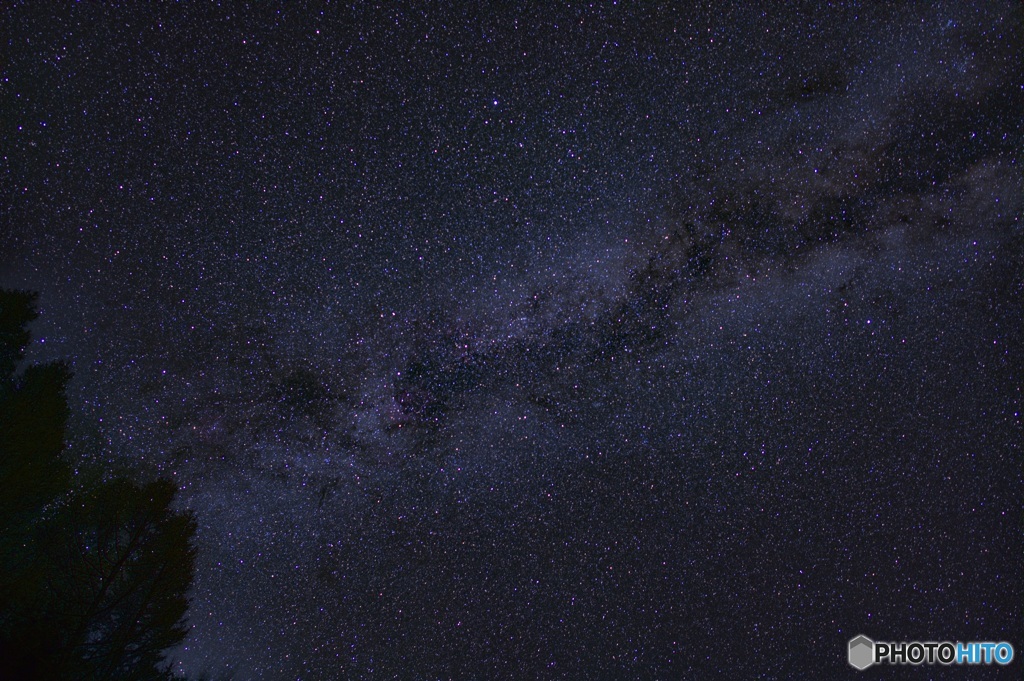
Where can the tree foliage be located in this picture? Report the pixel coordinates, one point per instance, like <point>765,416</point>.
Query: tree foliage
<point>94,577</point>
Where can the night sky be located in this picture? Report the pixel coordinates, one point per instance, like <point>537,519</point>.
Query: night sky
<point>616,341</point>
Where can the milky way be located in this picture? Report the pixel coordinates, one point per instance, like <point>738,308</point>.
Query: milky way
<point>575,343</point>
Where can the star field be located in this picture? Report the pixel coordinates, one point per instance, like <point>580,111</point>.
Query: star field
<point>594,341</point>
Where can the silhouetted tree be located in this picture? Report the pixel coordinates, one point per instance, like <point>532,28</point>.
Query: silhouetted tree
<point>93,578</point>
<point>33,476</point>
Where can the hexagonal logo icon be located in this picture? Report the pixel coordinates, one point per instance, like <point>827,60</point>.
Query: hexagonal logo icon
<point>862,652</point>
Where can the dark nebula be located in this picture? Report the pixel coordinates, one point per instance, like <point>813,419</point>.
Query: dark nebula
<point>614,341</point>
